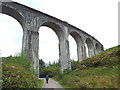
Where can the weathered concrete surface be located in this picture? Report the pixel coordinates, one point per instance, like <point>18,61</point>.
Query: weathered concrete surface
<point>31,20</point>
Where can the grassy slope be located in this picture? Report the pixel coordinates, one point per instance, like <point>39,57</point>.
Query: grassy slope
<point>100,71</point>
<point>23,69</point>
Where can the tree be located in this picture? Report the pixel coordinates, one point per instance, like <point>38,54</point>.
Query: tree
<point>41,66</point>
<point>41,63</point>
<point>49,63</point>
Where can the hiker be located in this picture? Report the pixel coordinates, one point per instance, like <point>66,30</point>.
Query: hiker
<point>47,78</point>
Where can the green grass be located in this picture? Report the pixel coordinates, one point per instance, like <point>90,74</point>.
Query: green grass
<point>1,81</point>
<point>59,81</point>
<point>100,77</point>
<point>100,71</point>
<point>39,83</point>
<point>64,86</point>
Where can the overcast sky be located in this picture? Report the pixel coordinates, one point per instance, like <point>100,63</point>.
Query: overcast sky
<point>98,18</point>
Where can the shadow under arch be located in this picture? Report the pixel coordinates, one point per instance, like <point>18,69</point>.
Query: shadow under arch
<point>56,28</point>
<point>90,45</point>
<point>77,37</point>
<point>14,13</point>
<point>79,44</point>
<point>98,48</point>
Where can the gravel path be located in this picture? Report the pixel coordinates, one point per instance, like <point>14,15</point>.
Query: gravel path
<point>52,85</point>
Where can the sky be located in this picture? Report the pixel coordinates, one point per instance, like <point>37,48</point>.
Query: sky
<point>98,18</point>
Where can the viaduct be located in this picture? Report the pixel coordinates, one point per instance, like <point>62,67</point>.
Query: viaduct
<point>31,20</point>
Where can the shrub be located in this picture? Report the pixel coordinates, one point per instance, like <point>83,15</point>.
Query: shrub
<point>20,60</point>
<point>106,58</point>
<point>59,76</point>
<point>74,65</point>
<point>66,71</point>
<point>51,70</point>
<point>15,76</point>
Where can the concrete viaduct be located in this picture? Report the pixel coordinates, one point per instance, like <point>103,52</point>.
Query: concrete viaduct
<point>31,20</point>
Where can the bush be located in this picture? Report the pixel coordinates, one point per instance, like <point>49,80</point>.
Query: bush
<point>106,58</point>
<point>66,71</point>
<point>15,76</point>
<point>51,70</point>
<point>59,76</point>
<point>20,60</point>
<point>74,65</point>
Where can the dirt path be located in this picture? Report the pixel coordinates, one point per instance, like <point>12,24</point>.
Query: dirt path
<point>51,84</point>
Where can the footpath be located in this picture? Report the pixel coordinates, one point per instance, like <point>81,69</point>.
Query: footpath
<point>51,85</point>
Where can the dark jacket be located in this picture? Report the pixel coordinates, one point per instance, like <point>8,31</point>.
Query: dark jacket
<point>47,77</point>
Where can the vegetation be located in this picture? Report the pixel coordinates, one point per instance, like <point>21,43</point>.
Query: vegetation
<point>52,70</point>
<point>18,73</point>
<point>100,71</point>
<point>100,77</point>
<point>15,76</point>
<point>41,66</point>
<point>20,60</point>
<point>40,83</point>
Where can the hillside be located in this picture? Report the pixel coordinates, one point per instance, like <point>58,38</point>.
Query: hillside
<point>17,72</point>
<point>100,71</point>
<point>107,58</point>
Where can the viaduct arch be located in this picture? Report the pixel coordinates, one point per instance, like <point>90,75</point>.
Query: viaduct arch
<point>31,20</point>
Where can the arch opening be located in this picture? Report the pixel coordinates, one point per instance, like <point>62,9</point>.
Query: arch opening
<point>72,48</point>
<point>97,48</point>
<point>48,44</point>
<point>89,47</point>
<point>87,53</point>
<point>56,29</point>
<point>11,34</point>
<point>77,46</point>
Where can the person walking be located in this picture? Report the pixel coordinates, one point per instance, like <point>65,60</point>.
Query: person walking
<point>47,78</point>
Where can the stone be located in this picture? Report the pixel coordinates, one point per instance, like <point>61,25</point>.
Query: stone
<point>31,20</point>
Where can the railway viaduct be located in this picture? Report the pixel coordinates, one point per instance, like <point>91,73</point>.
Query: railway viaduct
<point>31,20</point>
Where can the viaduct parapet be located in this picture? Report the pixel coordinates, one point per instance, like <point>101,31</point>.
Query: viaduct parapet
<point>31,20</point>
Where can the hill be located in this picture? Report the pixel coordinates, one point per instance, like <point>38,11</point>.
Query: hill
<point>100,71</point>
